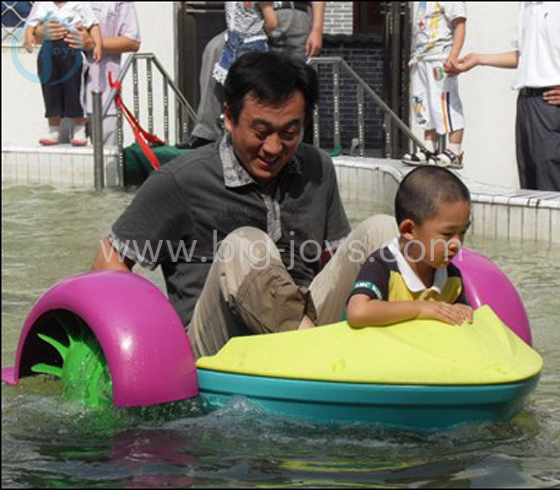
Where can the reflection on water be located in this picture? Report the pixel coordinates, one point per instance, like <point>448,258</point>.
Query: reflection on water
<point>48,235</point>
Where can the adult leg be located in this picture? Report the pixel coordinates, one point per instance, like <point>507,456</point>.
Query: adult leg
<point>331,286</point>
<point>208,124</point>
<point>538,143</point>
<point>248,290</point>
<point>293,30</point>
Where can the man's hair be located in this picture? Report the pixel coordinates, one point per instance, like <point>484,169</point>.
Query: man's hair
<point>424,189</point>
<point>271,78</point>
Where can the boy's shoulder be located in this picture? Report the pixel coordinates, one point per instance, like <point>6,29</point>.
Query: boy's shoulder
<point>453,271</point>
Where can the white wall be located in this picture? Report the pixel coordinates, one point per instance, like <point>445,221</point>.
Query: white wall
<point>23,121</point>
<point>488,100</point>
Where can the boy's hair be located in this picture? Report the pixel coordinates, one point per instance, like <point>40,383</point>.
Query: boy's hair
<point>424,189</point>
<point>271,78</point>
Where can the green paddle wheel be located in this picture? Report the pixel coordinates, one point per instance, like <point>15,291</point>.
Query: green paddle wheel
<point>83,369</point>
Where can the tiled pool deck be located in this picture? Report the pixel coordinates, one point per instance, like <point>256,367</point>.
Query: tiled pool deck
<point>366,184</point>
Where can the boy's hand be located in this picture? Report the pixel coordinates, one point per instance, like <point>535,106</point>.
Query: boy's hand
<point>451,314</point>
<point>29,46</point>
<point>98,53</point>
<point>451,66</point>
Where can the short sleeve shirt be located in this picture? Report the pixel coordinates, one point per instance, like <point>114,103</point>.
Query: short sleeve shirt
<point>245,18</point>
<point>538,43</point>
<point>182,212</point>
<point>74,14</point>
<point>434,29</point>
<point>387,276</point>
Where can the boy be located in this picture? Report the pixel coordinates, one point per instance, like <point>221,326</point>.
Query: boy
<point>62,90</point>
<point>439,35</point>
<point>248,25</point>
<point>412,278</point>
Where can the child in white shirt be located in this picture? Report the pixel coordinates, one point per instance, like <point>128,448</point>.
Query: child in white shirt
<point>248,24</point>
<point>62,66</point>
<point>439,35</point>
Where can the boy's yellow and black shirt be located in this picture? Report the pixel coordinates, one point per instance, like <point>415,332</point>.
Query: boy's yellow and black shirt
<point>388,277</point>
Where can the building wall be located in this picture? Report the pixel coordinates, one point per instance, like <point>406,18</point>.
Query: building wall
<point>339,18</point>
<point>365,56</point>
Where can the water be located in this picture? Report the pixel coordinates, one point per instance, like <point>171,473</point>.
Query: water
<point>48,235</point>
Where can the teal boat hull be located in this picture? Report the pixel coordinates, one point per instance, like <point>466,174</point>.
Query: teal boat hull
<point>409,407</point>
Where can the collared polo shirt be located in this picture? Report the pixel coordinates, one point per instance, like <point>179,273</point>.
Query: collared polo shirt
<point>538,43</point>
<point>184,210</point>
<point>387,276</point>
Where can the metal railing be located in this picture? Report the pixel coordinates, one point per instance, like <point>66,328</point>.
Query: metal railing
<point>184,112</point>
<point>362,89</point>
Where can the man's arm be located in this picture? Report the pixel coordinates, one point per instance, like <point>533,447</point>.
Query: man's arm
<point>51,31</point>
<point>315,39</point>
<point>108,258</point>
<point>497,60</point>
<point>111,45</point>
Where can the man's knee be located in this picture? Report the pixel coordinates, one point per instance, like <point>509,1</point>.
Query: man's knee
<point>378,227</point>
<point>246,244</point>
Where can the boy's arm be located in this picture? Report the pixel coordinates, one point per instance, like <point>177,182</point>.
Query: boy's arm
<point>451,63</point>
<point>270,19</point>
<point>363,311</point>
<point>29,38</point>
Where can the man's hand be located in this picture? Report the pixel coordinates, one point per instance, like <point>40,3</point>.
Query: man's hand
<point>468,62</point>
<point>552,96</point>
<point>52,31</point>
<point>81,41</point>
<point>98,53</point>
<point>314,44</point>
<point>445,312</point>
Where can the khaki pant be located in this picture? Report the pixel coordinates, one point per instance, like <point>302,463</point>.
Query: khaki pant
<point>249,291</point>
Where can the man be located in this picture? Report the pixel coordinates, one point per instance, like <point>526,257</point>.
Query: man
<point>239,226</point>
<point>537,59</point>
<point>121,34</point>
<point>299,33</point>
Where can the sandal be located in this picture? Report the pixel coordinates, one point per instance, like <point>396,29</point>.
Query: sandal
<point>448,159</point>
<point>421,157</point>
<point>48,142</point>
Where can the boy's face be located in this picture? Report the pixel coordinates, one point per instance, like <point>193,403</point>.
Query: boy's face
<point>441,236</point>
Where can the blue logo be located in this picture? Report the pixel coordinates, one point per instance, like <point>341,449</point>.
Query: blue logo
<point>47,52</point>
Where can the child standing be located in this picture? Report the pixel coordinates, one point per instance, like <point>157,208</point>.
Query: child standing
<point>247,26</point>
<point>439,35</point>
<point>61,86</point>
<point>413,278</point>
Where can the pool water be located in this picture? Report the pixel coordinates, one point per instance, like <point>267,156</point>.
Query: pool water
<point>48,235</point>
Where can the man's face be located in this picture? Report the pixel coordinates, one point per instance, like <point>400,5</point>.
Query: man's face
<point>266,136</point>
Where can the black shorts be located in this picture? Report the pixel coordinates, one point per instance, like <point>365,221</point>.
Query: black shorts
<point>62,98</point>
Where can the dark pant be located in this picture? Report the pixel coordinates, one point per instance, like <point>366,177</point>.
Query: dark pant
<point>538,142</point>
<point>62,98</point>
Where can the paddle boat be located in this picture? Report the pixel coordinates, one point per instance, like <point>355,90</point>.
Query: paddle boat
<point>115,336</point>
